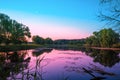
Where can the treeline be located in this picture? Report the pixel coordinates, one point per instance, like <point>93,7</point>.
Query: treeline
<point>12,32</point>
<point>80,42</point>
<point>39,40</point>
<point>103,38</point>
<point>16,33</point>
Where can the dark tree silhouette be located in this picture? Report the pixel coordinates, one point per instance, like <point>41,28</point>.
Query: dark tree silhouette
<point>38,40</point>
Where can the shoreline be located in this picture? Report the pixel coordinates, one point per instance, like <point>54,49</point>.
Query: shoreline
<point>105,48</point>
<point>33,46</point>
<point>18,47</point>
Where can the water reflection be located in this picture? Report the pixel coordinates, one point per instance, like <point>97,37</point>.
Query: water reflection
<point>11,63</point>
<point>107,58</point>
<point>60,64</point>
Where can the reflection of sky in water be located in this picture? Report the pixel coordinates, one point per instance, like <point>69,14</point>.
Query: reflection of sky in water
<point>68,64</point>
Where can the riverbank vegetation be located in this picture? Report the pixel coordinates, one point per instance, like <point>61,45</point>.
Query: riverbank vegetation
<point>19,47</point>
<point>104,38</point>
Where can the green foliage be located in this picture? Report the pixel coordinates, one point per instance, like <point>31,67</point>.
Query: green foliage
<point>108,37</point>
<point>92,41</point>
<point>70,42</point>
<point>11,31</point>
<point>38,40</point>
<point>48,41</point>
<point>103,38</point>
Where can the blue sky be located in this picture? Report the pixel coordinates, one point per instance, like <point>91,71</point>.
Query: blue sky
<point>55,18</point>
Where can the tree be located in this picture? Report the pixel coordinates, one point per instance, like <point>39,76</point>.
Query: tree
<point>103,38</point>
<point>108,37</point>
<point>48,41</point>
<point>5,28</point>
<point>38,40</point>
<point>111,13</point>
<point>89,41</point>
<point>11,31</point>
<point>19,32</point>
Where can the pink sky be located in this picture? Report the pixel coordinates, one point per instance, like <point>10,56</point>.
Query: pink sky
<point>53,27</point>
<point>57,31</point>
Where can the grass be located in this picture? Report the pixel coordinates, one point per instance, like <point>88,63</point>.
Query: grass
<point>6,48</point>
<point>101,48</point>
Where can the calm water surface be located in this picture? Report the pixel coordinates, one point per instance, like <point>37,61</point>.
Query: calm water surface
<point>53,64</point>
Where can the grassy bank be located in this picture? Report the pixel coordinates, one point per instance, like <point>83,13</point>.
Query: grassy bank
<point>33,46</point>
<point>105,48</point>
<point>18,47</point>
<point>6,48</point>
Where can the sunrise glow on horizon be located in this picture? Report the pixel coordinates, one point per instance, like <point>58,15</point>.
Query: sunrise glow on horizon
<point>54,19</point>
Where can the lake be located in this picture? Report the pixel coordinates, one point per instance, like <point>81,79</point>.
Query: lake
<point>60,64</point>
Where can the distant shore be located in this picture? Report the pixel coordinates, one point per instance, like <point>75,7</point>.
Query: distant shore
<point>105,48</point>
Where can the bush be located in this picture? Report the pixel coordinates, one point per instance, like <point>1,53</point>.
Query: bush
<point>116,45</point>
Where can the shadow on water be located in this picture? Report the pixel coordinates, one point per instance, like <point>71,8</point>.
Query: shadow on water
<point>40,51</point>
<point>11,63</point>
<point>107,58</point>
<point>14,65</point>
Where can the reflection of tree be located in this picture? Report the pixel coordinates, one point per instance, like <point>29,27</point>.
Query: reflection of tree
<point>34,72</point>
<point>14,66</point>
<point>105,57</point>
<point>88,51</point>
<point>40,51</point>
<point>11,63</point>
<point>94,70</point>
